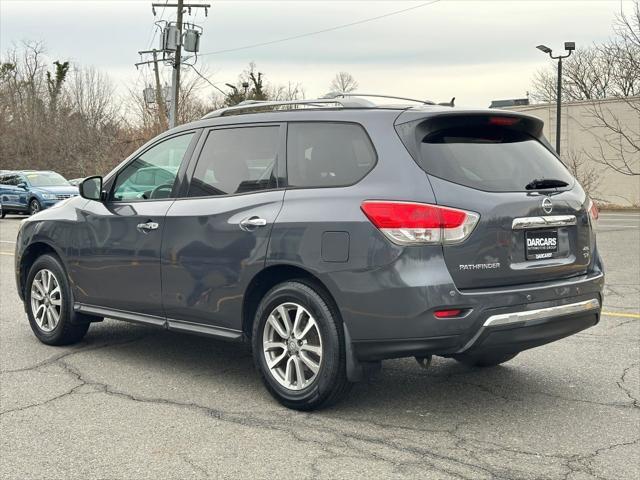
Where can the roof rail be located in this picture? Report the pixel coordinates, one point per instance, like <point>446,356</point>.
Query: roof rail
<point>248,105</point>
<point>375,95</point>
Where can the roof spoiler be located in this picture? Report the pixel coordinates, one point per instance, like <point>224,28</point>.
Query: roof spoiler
<point>414,125</point>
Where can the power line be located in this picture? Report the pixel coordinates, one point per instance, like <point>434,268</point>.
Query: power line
<point>206,79</point>
<point>154,27</point>
<point>324,30</point>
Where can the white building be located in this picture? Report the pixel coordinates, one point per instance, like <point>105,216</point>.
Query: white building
<point>584,137</point>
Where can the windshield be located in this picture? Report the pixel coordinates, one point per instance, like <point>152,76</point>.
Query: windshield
<point>46,179</point>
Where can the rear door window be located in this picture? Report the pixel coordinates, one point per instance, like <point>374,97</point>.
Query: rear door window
<point>237,160</point>
<point>323,154</point>
<point>9,180</point>
<point>489,158</point>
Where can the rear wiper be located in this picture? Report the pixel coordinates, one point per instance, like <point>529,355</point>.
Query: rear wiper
<point>537,183</point>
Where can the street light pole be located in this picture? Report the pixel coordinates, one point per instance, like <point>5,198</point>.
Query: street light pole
<point>559,105</point>
<point>569,47</point>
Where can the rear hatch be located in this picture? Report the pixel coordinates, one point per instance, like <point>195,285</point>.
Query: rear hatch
<point>534,223</point>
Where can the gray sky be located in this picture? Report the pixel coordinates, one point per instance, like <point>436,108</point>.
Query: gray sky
<point>474,50</point>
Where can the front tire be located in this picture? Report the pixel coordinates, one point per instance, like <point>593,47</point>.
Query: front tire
<point>298,347</point>
<point>49,304</point>
<point>484,360</point>
<point>34,206</point>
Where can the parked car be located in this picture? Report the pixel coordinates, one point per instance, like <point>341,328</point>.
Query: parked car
<point>2,215</point>
<point>331,237</point>
<point>29,191</point>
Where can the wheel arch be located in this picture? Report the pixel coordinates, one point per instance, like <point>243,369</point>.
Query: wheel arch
<point>275,274</point>
<point>30,255</point>
<point>271,276</point>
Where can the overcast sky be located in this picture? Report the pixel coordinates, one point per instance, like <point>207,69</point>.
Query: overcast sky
<point>475,50</point>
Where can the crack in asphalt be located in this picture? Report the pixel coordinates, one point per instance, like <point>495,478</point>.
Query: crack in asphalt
<point>196,468</point>
<point>424,456</point>
<point>452,377</point>
<point>582,461</point>
<point>342,440</point>
<point>346,444</point>
<point>74,351</point>
<point>627,391</point>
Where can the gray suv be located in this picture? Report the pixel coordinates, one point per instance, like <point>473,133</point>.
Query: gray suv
<point>331,234</point>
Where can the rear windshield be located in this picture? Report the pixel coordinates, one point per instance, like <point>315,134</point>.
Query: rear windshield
<point>489,158</point>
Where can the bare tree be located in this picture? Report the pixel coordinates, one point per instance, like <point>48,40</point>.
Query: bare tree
<point>344,82</point>
<point>590,73</point>
<point>65,119</point>
<point>619,146</point>
<point>607,70</point>
<point>586,174</point>
<point>252,86</point>
<point>290,91</point>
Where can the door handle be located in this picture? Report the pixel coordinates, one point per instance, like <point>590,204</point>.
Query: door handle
<point>252,222</point>
<point>147,227</point>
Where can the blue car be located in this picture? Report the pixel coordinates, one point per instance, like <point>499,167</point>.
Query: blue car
<point>30,191</point>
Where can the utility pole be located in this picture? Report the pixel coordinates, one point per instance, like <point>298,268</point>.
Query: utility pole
<point>175,76</point>
<point>159,96</point>
<point>177,57</point>
<point>173,43</point>
<point>162,106</point>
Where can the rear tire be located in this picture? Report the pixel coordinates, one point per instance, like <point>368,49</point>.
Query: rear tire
<point>49,304</point>
<point>302,363</point>
<point>484,360</point>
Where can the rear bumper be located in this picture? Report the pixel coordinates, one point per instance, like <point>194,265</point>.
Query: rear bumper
<point>506,320</point>
<point>508,332</point>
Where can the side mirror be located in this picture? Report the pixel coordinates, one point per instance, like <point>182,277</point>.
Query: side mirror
<point>22,185</point>
<point>91,188</point>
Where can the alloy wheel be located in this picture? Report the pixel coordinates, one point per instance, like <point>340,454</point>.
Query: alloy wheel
<point>35,207</point>
<point>292,346</point>
<point>46,300</point>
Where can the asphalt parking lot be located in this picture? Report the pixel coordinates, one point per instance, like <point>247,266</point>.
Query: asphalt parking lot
<point>133,402</point>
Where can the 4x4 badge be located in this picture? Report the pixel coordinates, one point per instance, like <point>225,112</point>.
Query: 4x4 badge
<point>547,205</point>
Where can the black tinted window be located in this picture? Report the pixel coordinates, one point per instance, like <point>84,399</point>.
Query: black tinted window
<point>328,154</point>
<point>489,158</point>
<point>9,180</point>
<point>236,160</point>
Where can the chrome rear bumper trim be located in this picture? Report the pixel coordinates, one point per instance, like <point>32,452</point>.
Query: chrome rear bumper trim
<point>542,313</point>
<point>524,223</point>
<point>532,315</point>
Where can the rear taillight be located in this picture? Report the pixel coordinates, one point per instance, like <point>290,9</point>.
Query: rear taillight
<point>406,223</point>
<point>593,211</point>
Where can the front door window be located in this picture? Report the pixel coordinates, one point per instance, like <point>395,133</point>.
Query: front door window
<point>152,175</point>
